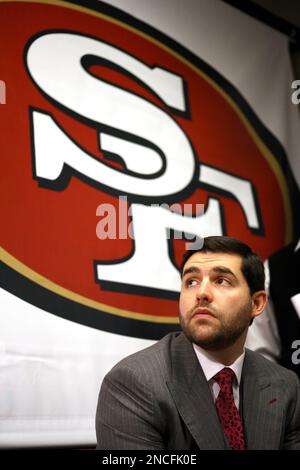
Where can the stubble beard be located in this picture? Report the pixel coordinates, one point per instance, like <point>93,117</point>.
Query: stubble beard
<point>206,334</point>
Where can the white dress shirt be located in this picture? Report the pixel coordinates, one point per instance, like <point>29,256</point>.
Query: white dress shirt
<point>211,367</point>
<point>263,334</point>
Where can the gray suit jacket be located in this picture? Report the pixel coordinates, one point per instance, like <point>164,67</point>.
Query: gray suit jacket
<point>159,398</point>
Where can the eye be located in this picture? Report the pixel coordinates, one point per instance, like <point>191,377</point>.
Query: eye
<point>191,282</point>
<point>222,281</point>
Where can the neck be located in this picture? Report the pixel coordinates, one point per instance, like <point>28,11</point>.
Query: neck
<point>229,355</point>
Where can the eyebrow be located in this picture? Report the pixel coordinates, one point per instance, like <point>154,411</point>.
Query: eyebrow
<point>215,269</point>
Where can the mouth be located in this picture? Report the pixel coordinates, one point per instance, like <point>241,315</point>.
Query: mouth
<point>202,313</point>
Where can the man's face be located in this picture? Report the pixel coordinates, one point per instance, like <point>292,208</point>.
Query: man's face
<point>215,302</point>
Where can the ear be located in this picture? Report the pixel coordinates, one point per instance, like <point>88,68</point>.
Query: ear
<point>259,301</point>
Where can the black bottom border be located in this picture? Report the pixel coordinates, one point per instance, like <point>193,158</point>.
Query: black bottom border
<point>139,459</point>
<point>33,293</point>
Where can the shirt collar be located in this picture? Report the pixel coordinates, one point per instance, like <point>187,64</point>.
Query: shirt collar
<point>211,367</point>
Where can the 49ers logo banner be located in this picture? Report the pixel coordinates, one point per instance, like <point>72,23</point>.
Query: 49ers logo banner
<point>119,147</point>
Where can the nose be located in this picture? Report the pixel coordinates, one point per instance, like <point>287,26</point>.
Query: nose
<point>204,293</point>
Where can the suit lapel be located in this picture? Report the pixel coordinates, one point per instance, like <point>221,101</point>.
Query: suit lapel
<point>262,412</point>
<point>261,401</point>
<point>193,397</point>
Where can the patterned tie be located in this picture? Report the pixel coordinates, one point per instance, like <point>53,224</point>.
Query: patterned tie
<point>227,411</point>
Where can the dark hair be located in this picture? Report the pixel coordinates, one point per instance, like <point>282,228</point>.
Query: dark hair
<point>252,266</point>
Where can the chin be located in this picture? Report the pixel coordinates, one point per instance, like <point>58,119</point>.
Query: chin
<point>205,341</point>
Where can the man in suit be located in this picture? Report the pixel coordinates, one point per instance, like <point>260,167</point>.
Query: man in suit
<point>200,389</point>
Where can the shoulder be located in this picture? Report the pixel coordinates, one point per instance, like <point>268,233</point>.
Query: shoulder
<point>264,368</point>
<point>152,361</point>
<point>152,353</point>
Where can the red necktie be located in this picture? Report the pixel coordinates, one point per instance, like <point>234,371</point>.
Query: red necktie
<point>227,411</point>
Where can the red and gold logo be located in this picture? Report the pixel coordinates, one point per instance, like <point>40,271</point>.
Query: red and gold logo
<point>119,147</point>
